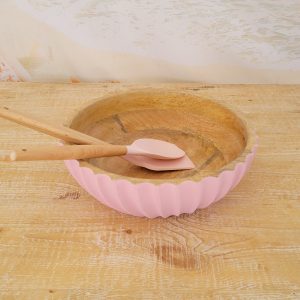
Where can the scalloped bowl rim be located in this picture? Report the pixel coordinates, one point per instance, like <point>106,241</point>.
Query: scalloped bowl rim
<point>252,153</point>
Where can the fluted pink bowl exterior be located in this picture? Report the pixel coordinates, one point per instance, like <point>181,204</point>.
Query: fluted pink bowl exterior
<point>162,200</point>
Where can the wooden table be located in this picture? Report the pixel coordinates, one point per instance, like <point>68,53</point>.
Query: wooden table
<point>57,242</point>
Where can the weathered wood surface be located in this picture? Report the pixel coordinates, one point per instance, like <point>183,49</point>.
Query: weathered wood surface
<point>57,242</point>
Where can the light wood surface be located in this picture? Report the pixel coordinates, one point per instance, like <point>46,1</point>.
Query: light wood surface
<point>57,242</point>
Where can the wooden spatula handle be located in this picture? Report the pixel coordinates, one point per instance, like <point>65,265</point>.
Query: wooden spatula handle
<point>53,152</point>
<point>61,132</point>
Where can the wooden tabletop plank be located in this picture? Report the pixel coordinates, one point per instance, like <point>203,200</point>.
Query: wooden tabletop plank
<point>57,242</point>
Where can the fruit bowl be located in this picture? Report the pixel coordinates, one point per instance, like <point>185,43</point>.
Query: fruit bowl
<point>215,137</point>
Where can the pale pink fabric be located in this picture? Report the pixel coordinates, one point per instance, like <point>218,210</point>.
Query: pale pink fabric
<point>6,73</point>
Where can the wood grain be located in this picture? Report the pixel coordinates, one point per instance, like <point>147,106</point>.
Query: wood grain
<point>57,242</point>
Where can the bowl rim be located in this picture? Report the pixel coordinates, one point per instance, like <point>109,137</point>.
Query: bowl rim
<point>250,146</point>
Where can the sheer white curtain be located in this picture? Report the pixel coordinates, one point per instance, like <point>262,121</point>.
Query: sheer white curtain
<point>233,41</point>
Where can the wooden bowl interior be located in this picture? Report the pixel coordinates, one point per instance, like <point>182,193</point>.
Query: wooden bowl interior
<point>210,134</point>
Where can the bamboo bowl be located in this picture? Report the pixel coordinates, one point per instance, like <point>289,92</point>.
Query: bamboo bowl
<point>217,140</point>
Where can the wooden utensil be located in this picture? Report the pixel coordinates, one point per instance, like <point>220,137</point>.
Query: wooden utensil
<point>151,149</point>
<point>64,133</point>
<point>53,152</point>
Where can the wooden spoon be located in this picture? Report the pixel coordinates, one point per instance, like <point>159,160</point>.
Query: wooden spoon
<point>150,149</point>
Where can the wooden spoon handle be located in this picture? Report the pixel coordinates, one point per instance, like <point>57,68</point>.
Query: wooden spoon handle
<point>61,132</point>
<point>53,152</point>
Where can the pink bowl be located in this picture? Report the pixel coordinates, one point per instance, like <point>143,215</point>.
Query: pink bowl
<point>148,198</point>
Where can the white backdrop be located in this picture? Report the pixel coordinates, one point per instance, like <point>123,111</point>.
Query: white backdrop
<point>218,41</point>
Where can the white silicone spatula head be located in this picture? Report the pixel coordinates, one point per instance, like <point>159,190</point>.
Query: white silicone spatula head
<point>155,149</point>
<point>182,163</point>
